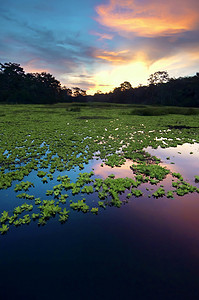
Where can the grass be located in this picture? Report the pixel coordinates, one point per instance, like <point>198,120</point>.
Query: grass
<point>159,111</point>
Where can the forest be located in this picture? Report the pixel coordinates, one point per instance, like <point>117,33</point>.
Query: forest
<point>16,86</point>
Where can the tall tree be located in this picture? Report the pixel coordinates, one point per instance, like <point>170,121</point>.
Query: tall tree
<point>159,77</point>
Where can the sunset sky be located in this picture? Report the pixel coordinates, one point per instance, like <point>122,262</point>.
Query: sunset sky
<point>98,44</point>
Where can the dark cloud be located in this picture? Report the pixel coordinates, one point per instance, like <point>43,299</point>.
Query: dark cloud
<point>41,45</point>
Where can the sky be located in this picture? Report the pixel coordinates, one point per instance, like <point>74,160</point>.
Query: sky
<point>98,44</point>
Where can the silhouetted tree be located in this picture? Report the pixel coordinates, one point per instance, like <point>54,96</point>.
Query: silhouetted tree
<point>125,86</point>
<point>158,77</point>
<point>11,81</point>
<point>18,87</point>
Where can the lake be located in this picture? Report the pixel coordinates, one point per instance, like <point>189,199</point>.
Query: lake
<point>138,238</point>
<point>146,249</point>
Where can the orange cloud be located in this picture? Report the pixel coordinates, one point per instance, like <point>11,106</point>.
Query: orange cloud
<point>149,18</point>
<point>138,70</point>
<point>114,57</point>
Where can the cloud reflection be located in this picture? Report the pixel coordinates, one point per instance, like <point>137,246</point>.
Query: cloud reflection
<point>105,171</point>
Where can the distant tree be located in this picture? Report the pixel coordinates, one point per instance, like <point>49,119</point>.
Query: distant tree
<point>11,69</point>
<point>99,92</point>
<point>158,78</point>
<point>67,91</point>
<point>77,92</point>
<point>125,86</point>
<point>12,80</point>
<point>83,93</point>
<point>48,88</point>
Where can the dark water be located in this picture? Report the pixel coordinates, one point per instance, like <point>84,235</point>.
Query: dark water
<point>147,249</point>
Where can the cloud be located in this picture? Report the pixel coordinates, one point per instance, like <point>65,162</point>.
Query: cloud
<point>102,36</point>
<point>38,48</point>
<point>149,30</point>
<point>149,18</point>
<point>116,57</point>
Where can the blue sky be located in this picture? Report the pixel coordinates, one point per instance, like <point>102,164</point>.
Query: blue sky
<point>96,45</point>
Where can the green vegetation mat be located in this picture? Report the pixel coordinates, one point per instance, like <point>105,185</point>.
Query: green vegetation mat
<point>63,137</point>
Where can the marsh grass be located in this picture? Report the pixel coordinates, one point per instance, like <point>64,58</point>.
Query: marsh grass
<point>160,111</point>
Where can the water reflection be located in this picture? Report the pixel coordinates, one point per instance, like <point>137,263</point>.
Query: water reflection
<point>184,162</point>
<point>147,249</point>
<point>103,172</point>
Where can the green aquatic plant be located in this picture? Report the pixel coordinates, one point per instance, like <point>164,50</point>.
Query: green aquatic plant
<point>44,180</point>
<point>75,189</point>
<point>12,219</point>
<point>136,192</point>
<point>41,173</point>
<point>50,176</point>
<point>102,195</point>
<point>169,194</point>
<point>80,205</point>
<point>62,199</point>
<point>49,192</point>
<point>177,175</point>
<point>18,210</point>
<point>183,187</point>
<point>159,193</point>
<point>41,222</point>
<point>101,204</point>
<point>196,178</point>
<point>35,216</point>
<point>115,160</point>
<point>87,189</point>
<point>37,201</point>
<point>4,229</point>
<point>26,219</point>
<point>63,218</point>
<point>63,215</point>
<point>23,186</point>
<point>17,222</point>
<point>153,171</point>
<point>4,217</point>
<point>25,196</point>
<point>154,181</point>
<point>94,210</point>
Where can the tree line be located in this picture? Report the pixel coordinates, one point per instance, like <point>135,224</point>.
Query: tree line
<point>16,86</point>
<point>161,90</point>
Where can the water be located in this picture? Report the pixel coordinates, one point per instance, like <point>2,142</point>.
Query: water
<point>147,249</point>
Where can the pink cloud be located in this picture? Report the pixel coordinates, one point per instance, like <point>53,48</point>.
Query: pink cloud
<point>149,18</point>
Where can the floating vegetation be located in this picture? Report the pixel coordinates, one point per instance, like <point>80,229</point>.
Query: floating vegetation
<point>80,205</point>
<point>153,171</point>
<point>23,186</point>
<point>41,173</point>
<point>94,210</point>
<point>49,148</point>
<point>169,194</point>
<point>196,178</point>
<point>159,193</point>
<point>4,229</point>
<point>115,160</point>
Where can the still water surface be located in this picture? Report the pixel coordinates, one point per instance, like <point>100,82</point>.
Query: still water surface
<point>147,249</point>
